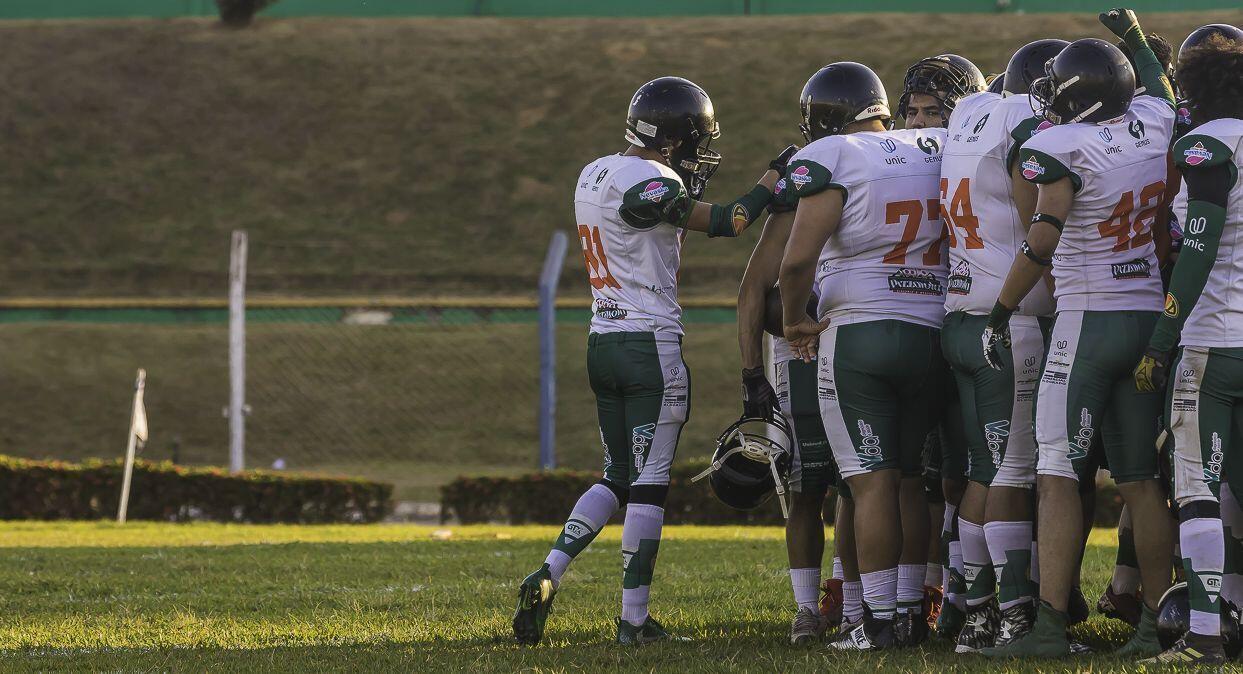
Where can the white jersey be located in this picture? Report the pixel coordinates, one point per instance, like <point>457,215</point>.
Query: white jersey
<point>1217,318</point>
<point>977,204</point>
<point>887,258</point>
<point>633,271</point>
<point>1106,260</point>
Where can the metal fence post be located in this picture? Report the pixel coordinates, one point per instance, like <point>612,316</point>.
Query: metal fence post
<point>237,352</point>
<point>553,261</point>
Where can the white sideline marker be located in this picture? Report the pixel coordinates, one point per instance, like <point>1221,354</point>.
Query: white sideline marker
<point>137,438</point>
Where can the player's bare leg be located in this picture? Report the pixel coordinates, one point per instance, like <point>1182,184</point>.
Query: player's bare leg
<point>878,550</point>
<point>1154,544</point>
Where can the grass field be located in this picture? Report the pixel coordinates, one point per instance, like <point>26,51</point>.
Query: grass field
<point>406,156</point>
<point>412,405</point>
<point>157,597</point>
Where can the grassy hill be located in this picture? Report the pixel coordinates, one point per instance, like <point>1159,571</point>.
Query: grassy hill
<point>402,156</point>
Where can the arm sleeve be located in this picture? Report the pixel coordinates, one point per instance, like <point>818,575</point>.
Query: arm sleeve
<point>731,218</point>
<point>1209,181</point>
<point>1149,72</point>
<point>651,202</point>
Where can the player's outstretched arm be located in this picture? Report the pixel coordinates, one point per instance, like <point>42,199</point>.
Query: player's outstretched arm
<point>1150,73</point>
<point>1208,192</point>
<point>763,270</point>
<point>1053,204</point>
<point>733,218</point>
<point>815,220</point>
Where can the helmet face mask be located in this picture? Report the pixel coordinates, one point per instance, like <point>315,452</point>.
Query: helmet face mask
<point>946,78</point>
<point>751,461</point>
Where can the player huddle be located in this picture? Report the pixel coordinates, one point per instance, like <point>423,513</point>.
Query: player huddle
<point>968,322</point>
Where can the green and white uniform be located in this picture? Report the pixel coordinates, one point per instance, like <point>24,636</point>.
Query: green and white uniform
<point>1205,393</point>
<point>985,133</point>
<point>634,351</point>
<point>1108,290</point>
<point>881,283</point>
<point>811,467</point>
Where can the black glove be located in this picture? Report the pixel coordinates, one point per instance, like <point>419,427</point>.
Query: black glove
<point>996,335</point>
<point>758,397</point>
<point>1153,371</point>
<point>779,164</point>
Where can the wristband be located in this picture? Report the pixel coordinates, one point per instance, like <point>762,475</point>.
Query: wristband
<point>1045,217</point>
<point>1031,255</point>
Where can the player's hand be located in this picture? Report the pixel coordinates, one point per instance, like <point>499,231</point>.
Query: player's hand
<point>779,164</point>
<point>1153,371</point>
<point>1120,21</point>
<point>992,340</point>
<point>758,397</point>
<point>804,337</point>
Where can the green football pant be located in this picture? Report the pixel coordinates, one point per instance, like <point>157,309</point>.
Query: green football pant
<point>1087,388</point>
<point>879,394</point>
<point>642,389</point>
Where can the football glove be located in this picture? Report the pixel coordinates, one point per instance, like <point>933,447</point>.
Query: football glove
<point>1153,371</point>
<point>758,397</point>
<point>996,334</point>
<point>779,164</point>
<point>1120,21</point>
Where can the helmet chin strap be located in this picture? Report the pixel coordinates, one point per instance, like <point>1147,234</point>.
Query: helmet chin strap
<point>754,450</point>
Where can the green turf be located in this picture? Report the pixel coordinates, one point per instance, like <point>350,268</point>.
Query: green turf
<point>400,155</point>
<point>157,597</point>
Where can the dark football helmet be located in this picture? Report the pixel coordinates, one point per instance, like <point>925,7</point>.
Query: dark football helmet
<point>1027,64</point>
<point>1203,33</point>
<point>1089,81</point>
<point>674,116</point>
<point>998,85</point>
<point>751,461</point>
<point>1174,619</point>
<point>947,78</point>
<point>841,93</point>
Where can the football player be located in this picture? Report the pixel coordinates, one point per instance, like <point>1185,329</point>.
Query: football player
<point>632,209</point>
<point>1100,172</point>
<point>930,91</point>
<point>1204,305</point>
<point>880,289</point>
<point>986,207</point>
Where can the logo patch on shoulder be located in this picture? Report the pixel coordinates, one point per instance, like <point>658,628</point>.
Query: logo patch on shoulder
<point>1031,168</point>
<point>801,176</point>
<point>1136,129</point>
<point>1045,124</point>
<point>1171,306</point>
<point>1197,154</point>
<point>654,191</point>
<point>928,145</point>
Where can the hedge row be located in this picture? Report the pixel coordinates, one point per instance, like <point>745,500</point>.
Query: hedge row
<point>546,498</point>
<point>51,490</point>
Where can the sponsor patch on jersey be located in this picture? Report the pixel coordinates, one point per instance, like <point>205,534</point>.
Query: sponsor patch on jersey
<point>960,279</point>
<point>889,146</point>
<point>1197,154</point>
<point>779,188</point>
<point>1042,126</point>
<point>1031,168</point>
<point>740,216</point>
<point>1171,306</point>
<point>915,282</point>
<point>1137,268</point>
<point>1106,135</point>
<point>654,191</point>
<point>980,124</point>
<point>801,176</point>
<point>928,145</point>
<point>1184,115</point>
<point>1136,129</point>
<point>609,310</point>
